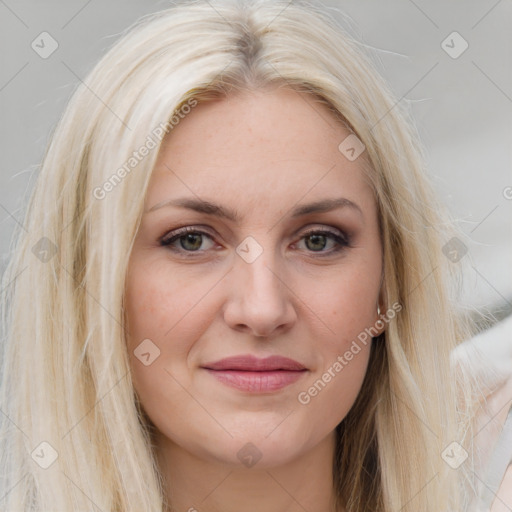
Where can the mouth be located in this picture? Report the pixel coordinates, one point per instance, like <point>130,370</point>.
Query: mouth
<point>255,375</point>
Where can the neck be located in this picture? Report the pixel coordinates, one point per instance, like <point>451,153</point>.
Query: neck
<point>193,484</point>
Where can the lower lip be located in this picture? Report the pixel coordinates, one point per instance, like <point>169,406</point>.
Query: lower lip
<point>257,382</point>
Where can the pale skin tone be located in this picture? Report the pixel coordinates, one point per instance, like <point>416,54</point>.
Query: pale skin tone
<point>261,154</point>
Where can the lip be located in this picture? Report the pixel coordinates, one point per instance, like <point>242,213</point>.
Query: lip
<point>256,375</point>
<point>251,363</point>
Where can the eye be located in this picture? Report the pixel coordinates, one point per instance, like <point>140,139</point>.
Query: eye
<point>192,240</point>
<point>320,240</point>
<point>187,239</point>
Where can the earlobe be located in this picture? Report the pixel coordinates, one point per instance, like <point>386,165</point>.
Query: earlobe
<point>380,324</point>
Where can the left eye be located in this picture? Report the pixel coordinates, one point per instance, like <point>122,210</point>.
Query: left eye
<point>317,241</point>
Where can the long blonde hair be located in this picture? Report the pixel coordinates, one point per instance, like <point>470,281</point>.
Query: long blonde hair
<point>66,378</point>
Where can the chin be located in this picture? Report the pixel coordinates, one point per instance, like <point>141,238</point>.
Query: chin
<point>259,450</point>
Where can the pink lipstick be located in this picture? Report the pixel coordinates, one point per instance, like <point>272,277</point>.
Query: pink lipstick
<point>256,375</point>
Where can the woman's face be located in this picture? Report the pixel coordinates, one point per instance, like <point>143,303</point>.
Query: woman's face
<point>259,242</point>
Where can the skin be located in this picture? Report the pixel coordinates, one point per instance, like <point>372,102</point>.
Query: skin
<point>261,153</point>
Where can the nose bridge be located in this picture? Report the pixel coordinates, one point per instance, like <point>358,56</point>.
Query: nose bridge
<point>258,266</point>
<point>260,299</point>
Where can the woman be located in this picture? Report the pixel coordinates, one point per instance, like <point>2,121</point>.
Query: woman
<point>234,263</point>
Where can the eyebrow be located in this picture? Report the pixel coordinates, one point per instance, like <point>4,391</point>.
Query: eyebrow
<point>210,208</point>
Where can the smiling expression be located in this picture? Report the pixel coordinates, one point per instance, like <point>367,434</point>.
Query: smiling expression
<point>259,242</point>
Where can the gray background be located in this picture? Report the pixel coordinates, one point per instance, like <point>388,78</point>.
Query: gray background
<point>462,106</point>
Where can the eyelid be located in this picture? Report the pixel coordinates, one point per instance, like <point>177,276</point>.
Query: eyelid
<point>341,238</point>
<point>176,233</point>
<point>328,230</point>
<point>205,230</point>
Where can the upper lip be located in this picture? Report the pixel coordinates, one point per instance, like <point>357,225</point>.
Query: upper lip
<point>251,363</point>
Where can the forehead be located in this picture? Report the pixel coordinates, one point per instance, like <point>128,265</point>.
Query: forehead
<point>266,147</point>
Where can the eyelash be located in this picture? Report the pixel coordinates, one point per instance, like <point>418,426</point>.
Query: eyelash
<point>341,239</point>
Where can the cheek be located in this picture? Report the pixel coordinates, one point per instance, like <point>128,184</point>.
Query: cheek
<point>163,304</point>
<point>327,398</point>
<point>158,309</point>
<point>346,302</point>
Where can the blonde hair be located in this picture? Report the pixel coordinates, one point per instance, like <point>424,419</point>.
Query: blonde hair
<point>66,375</point>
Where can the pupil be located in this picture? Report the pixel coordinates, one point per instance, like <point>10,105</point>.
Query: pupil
<point>318,242</point>
<point>194,239</point>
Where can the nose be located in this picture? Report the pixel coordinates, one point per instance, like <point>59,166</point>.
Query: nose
<point>260,300</point>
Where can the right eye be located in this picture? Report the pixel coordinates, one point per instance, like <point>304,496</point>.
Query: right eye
<point>187,239</point>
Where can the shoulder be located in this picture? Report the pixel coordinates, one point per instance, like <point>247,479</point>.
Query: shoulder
<point>487,359</point>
